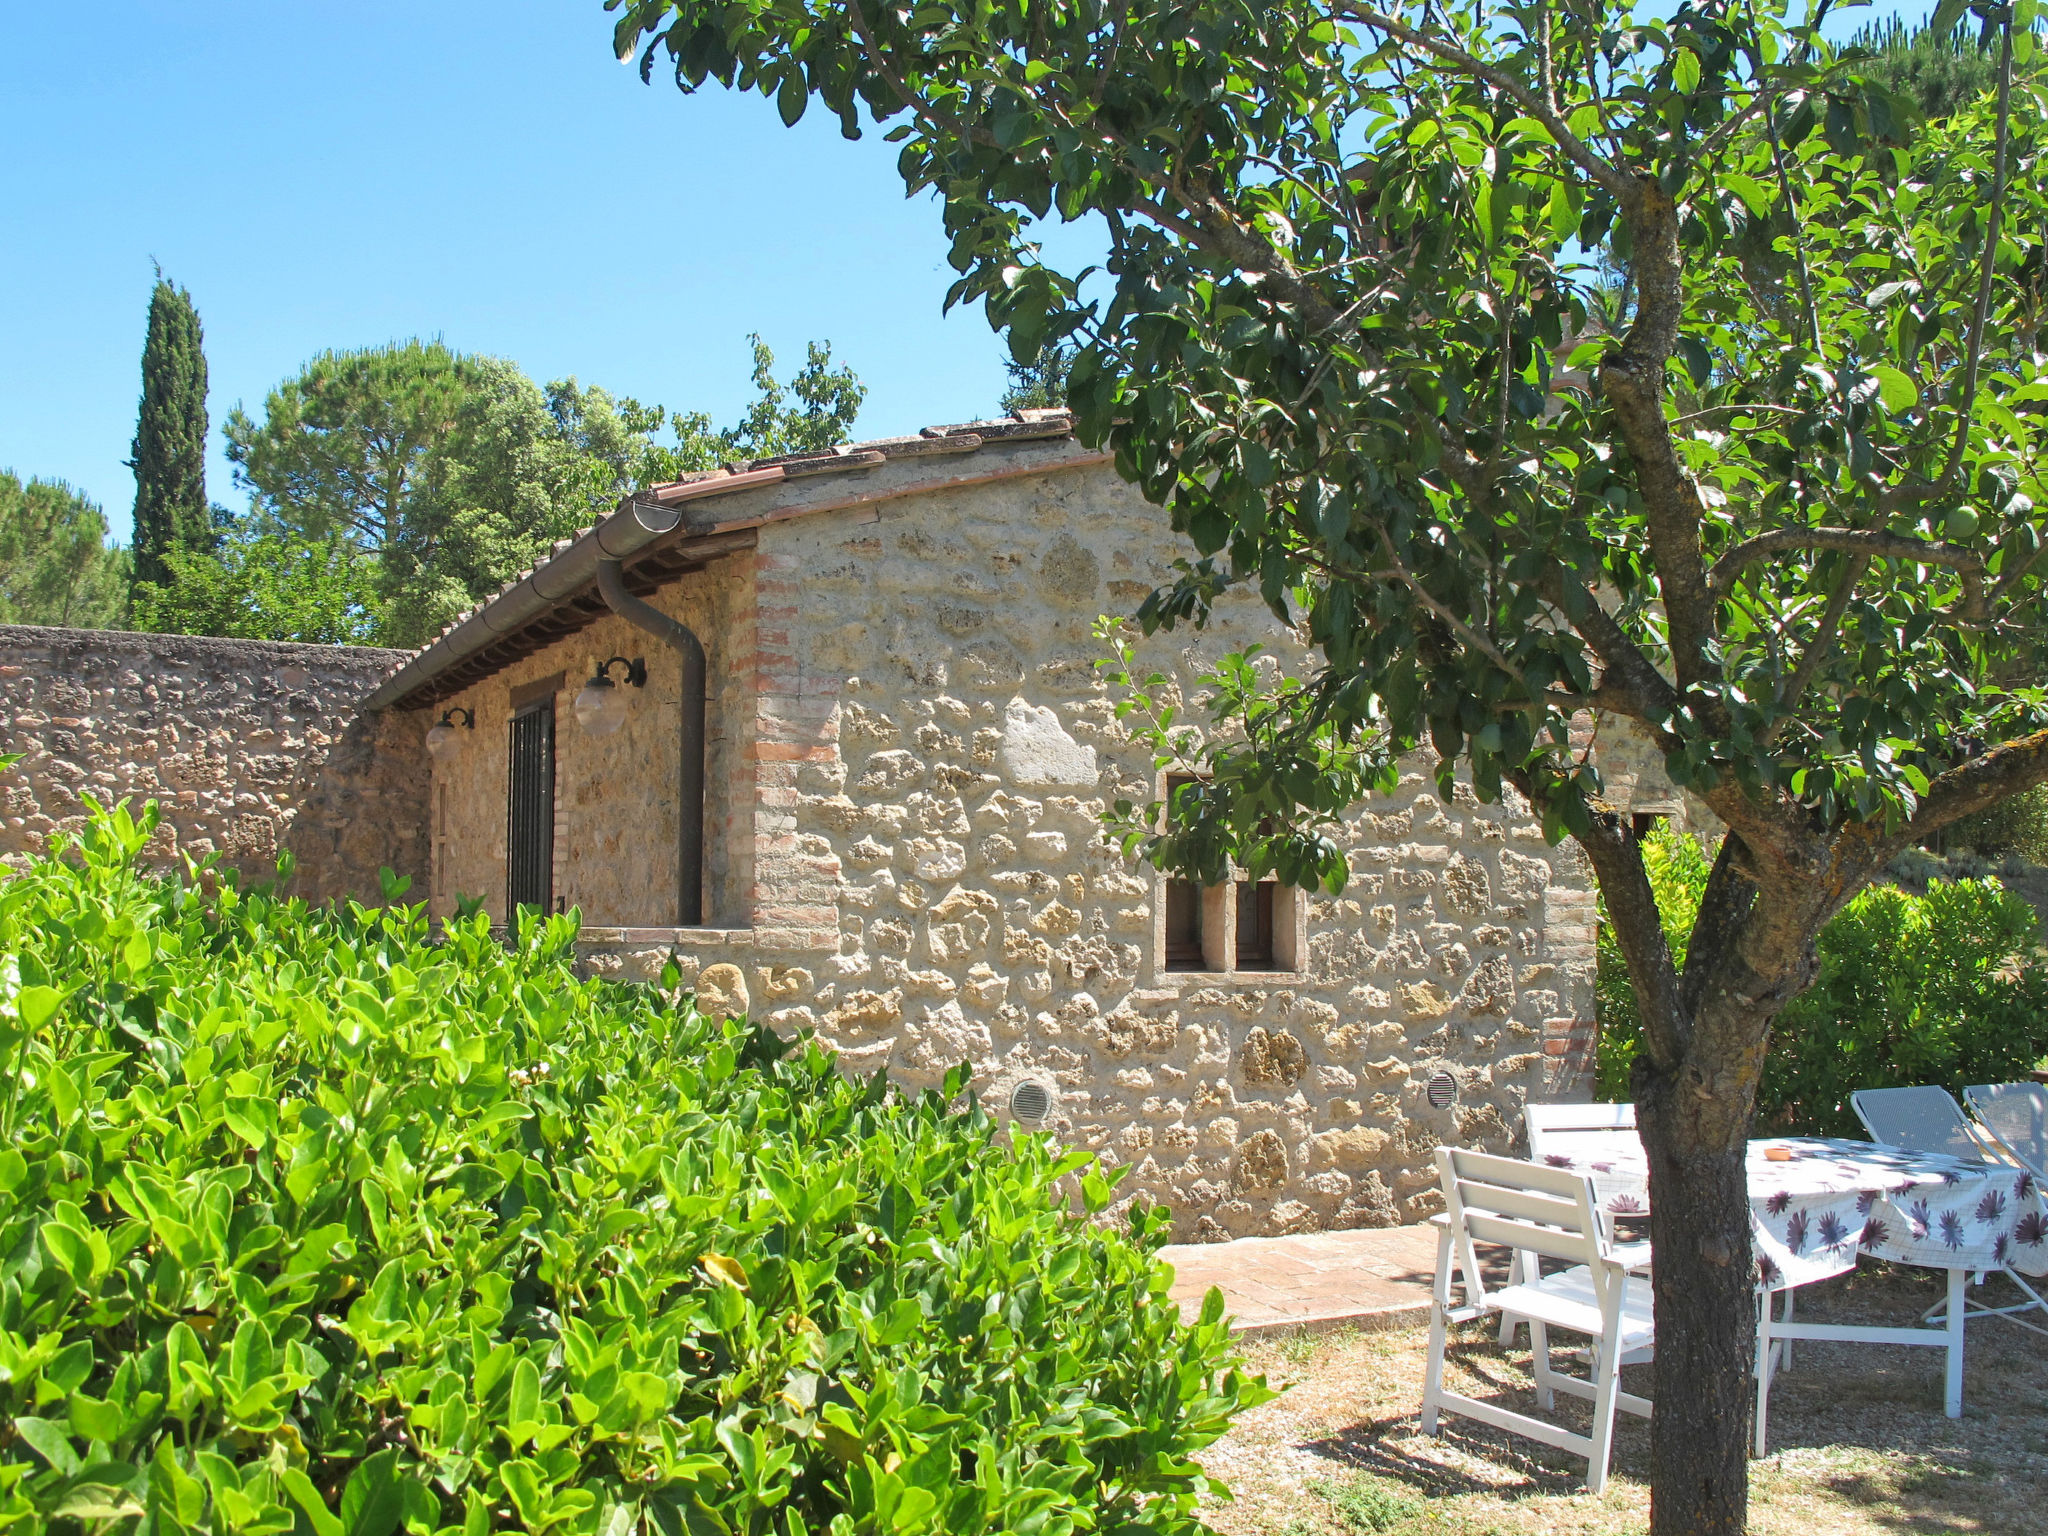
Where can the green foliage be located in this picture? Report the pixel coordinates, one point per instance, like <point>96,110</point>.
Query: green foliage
<point>1948,988</point>
<point>2015,826</point>
<point>1041,383</point>
<point>1677,865</point>
<point>317,1222</point>
<point>1937,72</point>
<point>1348,336</point>
<point>171,511</point>
<point>55,565</point>
<point>827,401</point>
<point>266,585</point>
<point>1266,801</point>
<point>420,479</point>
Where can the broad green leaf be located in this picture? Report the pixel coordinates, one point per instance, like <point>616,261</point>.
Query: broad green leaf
<point>1895,388</point>
<point>373,1501</point>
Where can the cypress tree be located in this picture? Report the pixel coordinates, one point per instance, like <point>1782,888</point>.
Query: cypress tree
<point>170,437</point>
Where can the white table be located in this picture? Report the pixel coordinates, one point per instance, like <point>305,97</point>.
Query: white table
<point>1816,1204</point>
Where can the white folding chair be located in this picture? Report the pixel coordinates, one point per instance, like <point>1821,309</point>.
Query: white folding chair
<point>2012,1120</point>
<point>1928,1119</point>
<point>1576,1130</point>
<point>2013,1117</point>
<point>1920,1119</point>
<point>1551,1213</point>
<point>1549,1124</point>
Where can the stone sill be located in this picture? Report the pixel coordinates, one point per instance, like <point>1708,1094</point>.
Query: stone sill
<point>1174,980</point>
<point>681,938</point>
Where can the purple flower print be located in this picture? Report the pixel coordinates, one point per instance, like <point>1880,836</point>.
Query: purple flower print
<point>1795,1232</point>
<point>1865,1199</point>
<point>2023,1186</point>
<point>1779,1203</point>
<point>1833,1231</point>
<point>1951,1176</point>
<point>1919,1217</point>
<point>1625,1205</point>
<point>1767,1271</point>
<point>2032,1229</point>
<point>2002,1249</point>
<point>1952,1229</point>
<point>1992,1206</point>
<point>1875,1233</point>
<point>1556,1160</point>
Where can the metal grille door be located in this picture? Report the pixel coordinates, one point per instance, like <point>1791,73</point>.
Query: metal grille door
<point>530,878</point>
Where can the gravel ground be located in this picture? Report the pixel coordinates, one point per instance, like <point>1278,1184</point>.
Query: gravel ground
<point>1859,1445</point>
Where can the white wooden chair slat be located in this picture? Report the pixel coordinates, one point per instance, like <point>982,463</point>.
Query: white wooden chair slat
<point>1486,1198</point>
<point>1528,1205</point>
<point>1530,1238</point>
<point>1548,1126</point>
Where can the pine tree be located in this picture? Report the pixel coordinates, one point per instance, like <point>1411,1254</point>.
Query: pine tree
<point>170,437</point>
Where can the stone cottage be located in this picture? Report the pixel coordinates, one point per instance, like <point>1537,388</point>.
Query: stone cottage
<point>829,731</point>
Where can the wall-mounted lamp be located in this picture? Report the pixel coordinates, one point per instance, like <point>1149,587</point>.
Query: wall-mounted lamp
<point>601,707</point>
<point>441,738</point>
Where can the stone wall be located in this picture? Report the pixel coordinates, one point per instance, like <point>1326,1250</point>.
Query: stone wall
<point>248,747</point>
<point>933,744</point>
<point>615,800</point>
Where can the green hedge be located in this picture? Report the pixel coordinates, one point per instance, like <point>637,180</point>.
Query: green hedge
<point>1948,988</point>
<point>314,1224</point>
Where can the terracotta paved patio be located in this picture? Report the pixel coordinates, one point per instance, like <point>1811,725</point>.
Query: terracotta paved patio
<point>1366,1279</point>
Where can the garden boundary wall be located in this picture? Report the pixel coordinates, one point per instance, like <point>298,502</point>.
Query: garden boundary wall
<point>249,747</point>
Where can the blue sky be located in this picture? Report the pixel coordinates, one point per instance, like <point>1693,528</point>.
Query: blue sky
<point>322,174</point>
<point>339,173</point>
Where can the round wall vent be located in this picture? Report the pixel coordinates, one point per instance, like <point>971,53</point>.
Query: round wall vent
<point>1442,1090</point>
<point>1030,1102</point>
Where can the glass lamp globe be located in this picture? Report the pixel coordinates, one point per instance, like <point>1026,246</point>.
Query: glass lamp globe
<point>442,742</point>
<point>601,706</point>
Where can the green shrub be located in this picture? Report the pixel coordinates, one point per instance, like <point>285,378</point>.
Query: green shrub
<point>314,1224</point>
<point>1947,988</point>
<point>2018,825</point>
<point>1678,868</point>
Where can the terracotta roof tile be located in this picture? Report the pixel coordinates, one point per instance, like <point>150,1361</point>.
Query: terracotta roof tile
<point>959,437</point>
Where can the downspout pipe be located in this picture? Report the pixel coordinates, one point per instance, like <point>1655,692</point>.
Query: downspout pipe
<point>611,586</point>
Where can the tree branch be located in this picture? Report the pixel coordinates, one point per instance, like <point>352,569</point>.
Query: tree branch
<point>1631,685</point>
<point>1632,380</point>
<point>1724,905</point>
<point>1639,929</point>
<point>1458,626</point>
<point>1529,101</point>
<point>1870,543</point>
<point>1977,785</point>
<point>1823,643</point>
<point>1973,364</point>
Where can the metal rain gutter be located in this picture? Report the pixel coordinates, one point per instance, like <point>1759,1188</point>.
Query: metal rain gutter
<point>637,523</point>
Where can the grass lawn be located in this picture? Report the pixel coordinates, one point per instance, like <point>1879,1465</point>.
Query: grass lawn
<point>1859,1445</point>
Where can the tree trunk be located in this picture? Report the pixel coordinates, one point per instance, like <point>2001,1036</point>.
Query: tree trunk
<point>1695,1083</point>
<point>1705,1294</point>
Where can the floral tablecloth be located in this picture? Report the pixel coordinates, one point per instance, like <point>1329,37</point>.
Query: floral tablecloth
<point>1813,1210</point>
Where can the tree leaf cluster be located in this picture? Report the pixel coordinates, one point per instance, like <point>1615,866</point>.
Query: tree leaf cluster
<point>320,1221</point>
<point>1948,986</point>
<point>172,514</point>
<point>1354,344</point>
<point>394,487</point>
<point>56,566</point>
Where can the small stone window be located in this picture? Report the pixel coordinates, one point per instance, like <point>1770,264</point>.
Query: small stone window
<point>1184,926</point>
<point>1255,943</point>
<point>1242,925</point>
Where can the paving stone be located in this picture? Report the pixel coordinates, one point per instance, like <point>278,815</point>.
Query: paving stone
<point>1370,1278</point>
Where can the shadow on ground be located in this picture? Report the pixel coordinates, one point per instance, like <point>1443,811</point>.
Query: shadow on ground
<point>1858,1441</point>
